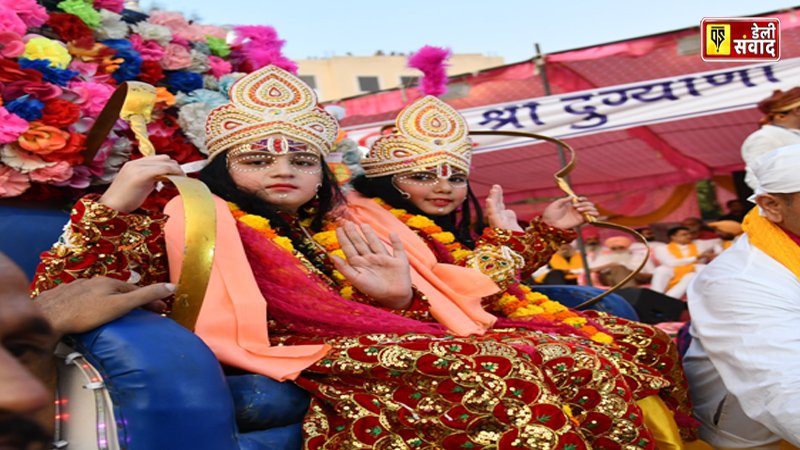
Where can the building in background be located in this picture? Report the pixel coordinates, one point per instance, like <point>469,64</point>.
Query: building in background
<point>346,76</point>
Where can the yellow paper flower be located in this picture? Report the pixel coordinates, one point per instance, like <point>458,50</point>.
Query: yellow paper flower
<point>327,239</point>
<point>420,222</point>
<point>43,48</point>
<point>253,221</point>
<point>284,242</point>
<point>339,253</point>
<point>527,311</point>
<point>460,254</point>
<point>337,276</point>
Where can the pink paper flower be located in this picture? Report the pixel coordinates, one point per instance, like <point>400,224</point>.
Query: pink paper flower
<point>12,183</point>
<point>91,97</point>
<point>10,21</point>
<point>178,24</point>
<point>86,69</point>
<point>11,45</point>
<point>11,126</point>
<point>211,30</point>
<point>176,57</point>
<point>148,50</point>
<point>58,173</point>
<point>29,11</point>
<point>112,5</point>
<point>219,66</point>
<point>78,180</point>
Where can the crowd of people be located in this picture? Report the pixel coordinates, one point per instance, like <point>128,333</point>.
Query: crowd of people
<point>404,309</point>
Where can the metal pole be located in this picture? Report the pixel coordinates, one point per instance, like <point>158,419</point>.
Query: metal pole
<point>563,159</point>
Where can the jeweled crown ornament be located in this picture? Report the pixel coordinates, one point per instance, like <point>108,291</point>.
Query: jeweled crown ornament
<point>429,133</point>
<point>267,103</point>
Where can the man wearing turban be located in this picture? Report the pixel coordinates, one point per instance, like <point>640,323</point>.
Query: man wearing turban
<point>743,365</point>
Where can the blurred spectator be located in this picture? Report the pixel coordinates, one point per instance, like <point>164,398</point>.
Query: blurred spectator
<point>617,261</point>
<point>680,260</point>
<point>736,211</point>
<point>728,231</point>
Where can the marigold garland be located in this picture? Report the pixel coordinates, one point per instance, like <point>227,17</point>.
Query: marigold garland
<point>519,301</point>
<point>326,238</point>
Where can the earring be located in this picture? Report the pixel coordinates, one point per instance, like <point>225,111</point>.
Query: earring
<point>405,194</point>
<point>319,186</point>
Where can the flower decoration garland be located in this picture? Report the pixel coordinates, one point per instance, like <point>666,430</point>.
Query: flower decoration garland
<point>518,301</point>
<point>59,63</point>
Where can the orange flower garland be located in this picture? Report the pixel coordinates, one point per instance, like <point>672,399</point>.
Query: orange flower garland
<point>326,238</point>
<point>525,304</point>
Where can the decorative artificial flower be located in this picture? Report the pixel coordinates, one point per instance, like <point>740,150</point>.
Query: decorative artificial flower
<point>176,147</point>
<point>42,139</point>
<point>60,113</point>
<point>11,126</point>
<point>112,5</point>
<point>80,178</point>
<point>176,57</point>
<point>226,81</point>
<point>259,46</point>
<point>12,183</point>
<point>201,47</point>
<point>10,21</point>
<point>153,32</point>
<point>10,70</point>
<point>212,31</point>
<point>31,12</point>
<point>72,152</point>
<point>58,173</point>
<point>192,119</point>
<point>218,46</point>
<point>91,97</point>
<point>118,154</point>
<point>151,72</point>
<point>70,28</point>
<point>184,81</point>
<point>148,50</point>
<point>132,62</point>
<point>20,160</point>
<point>210,98</point>
<point>11,45</point>
<point>26,107</point>
<point>111,26</point>
<point>86,70</point>
<point>211,83</point>
<point>219,66</point>
<point>34,89</point>
<point>178,24</point>
<point>163,128</point>
<point>48,49</point>
<point>50,74</point>
<point>199,62</point>
<point>82,9</point>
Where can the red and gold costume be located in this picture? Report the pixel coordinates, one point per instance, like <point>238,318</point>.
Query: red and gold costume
<point>387,379</point>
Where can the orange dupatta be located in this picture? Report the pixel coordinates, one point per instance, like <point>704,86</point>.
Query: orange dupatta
<point>454,292</point>
<point>233,319</point>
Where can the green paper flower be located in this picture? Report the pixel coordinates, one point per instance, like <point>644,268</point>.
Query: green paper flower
<point>218,46</point>
<point>84,10</point>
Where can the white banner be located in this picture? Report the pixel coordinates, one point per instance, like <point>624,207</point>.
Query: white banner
<point>624,106</point>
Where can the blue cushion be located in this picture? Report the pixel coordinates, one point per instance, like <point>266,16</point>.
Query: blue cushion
<point>167,387</point>
<point>26,232</point>
<point>573,296</point>
<point>289,437</point>
<point>262,402</point>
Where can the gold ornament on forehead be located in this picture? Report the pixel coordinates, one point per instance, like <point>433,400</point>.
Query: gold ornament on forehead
<point>266,103</point>
<point>429,134</point>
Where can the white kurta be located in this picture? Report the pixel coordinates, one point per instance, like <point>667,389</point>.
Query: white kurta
<point>744,361</point>
<point>764,140</point>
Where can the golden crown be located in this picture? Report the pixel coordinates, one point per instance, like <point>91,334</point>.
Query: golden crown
<point>265,103</point>
<point>429,133</point>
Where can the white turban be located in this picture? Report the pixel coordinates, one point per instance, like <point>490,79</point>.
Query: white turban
<point>776,172</point>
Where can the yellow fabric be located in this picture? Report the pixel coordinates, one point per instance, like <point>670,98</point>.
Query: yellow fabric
<point>681,271</point>
<point>698,444</point>
<point>558,262</point>
<point>770,239</point>
<point>787,446</point>
<point>661,422</point>
<point>726,244</point>
<point>782,445</point>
